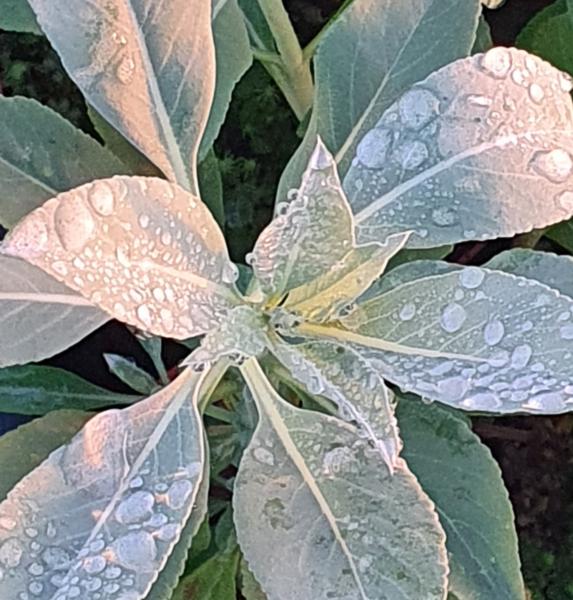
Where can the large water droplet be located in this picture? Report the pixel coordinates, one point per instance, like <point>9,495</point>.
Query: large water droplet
<point>373,149</point>
<point>497,62</point>
<point>565,201</point>
<point>135,508</point>
<point>74,223</point>
<point>135,550</point>
<point>493,332</point>
<point>407,312</point>
<point>536,93</point>
<point>453,317</point>
<point>418,107</point>
<point>555,165</point>
<point>94,564</point>
<point>452,388</point>
<point>230,273</point>
<point>144,315</point>
<point>264,456</point>
<point>482,401</point>
<point>566,332</point>
<point>102,199</point>
<point>521,356</point>
<point>412,155</point>
<point>178,493</point>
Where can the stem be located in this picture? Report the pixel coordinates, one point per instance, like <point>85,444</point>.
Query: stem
<point>293,76</point>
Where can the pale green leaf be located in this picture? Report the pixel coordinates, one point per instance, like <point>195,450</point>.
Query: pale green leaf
<point>476,339</point>
<point>129,373</point>
<point>23,449</point>
<point>257,26</point>
<point>340,374</point>
<point>147,67</point>
<point>483,41</point>
<point>110,505</point>
<point>16,15</point>
<point>371,54</point>
<point>250,587</point>
<point>310,493</point>
<point>211,186</point>
<point>459,474</point>
<point>42,154</point>
<point>143,249</point>
<point>39,316</point>
<point>37,390</point>
<point>468,153</point>
<point>233,57</point>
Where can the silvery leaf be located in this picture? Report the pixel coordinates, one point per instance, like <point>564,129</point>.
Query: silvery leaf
<point>467,154</point>
<point>143,249</point>
<point>308,487</point>
<point>103,513</point>
<point>39,316</point>
<point>147,67</point>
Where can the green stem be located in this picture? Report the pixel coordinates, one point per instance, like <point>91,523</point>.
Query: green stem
<point>293,76</point>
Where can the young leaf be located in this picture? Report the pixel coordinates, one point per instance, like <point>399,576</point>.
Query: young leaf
<point>310,493</point>
<point>103,513</point>
<point>250,587</point>
<point>130,374</point>
<point>475,339</point>
<point>42,154</point>
<point>459,474</point>
<point>147,67</point>
<point>340,374</point>
<point>467,153</point>
<point>37,390</point>
<point>143,249</point>
<point>44,435</point>
<point>16,15</point>
<point>483,41</point>
<point>372,53</point>
<point>211,186</point>
<point>40,317</point>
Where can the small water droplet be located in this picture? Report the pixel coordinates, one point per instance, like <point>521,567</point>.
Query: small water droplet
<point>555,165</point>
<point>493,332</point>
<point>453,317</point>
<point>443,216</point>
<point>55,558</point>
<point>373,148</point>
<point>230,273</point>
<point>407,312</point>
<point>566,82</point>
<point>101,197</point>
<point>178,493</point>
<point>143,221</point>
<point>135,550</point>
<point>412,155</point>
<point>418,107</point>
<point>536,93</point>
<point>35,588</point>
<point>144,315</point>
<point>321,158</point>
<point>8,523</point>
<point>481,101</point>
<point>497,62</point>
<point>126,69</point>
<point>135,508</point>
<point>521,356</point>
<point>94,564</point>
<point>264,456</point>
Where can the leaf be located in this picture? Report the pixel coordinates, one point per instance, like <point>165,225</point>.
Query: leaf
<point>467,153</point>
<point>211,186</point>
<point>340,374</point>
<point>458,472</point>
<point>16,15</point>
<point>37,390</point>
<point>476,339</point>
<point>103,513</point>
<point>39,317</point>
<point>371,54</point>
<point>233,57</point>
<point>549,35</point>
<point>43,154</point>
<point>129,373</point>
<point>147,67</point>
<point>143,249</point>
<point>483,40</point>
<point>309,493</point>
<point>258,29</point>
<point>250,587</point>
<point>23,449</point>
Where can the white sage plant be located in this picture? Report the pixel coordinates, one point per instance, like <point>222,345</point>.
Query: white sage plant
<point>349,487</point>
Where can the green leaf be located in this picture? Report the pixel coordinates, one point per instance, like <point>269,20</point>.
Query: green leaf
<point>483,40</point>
<point>476,339</point>
<point>233,57</point>
<point>250,587</point>
<point>42,154</point>
<point>340,374</point>
<point>467,153</point>
<point>37,390</point>
<point>141,248</point>
<point>129,373</point>
<point>318,518</point>
<point>71,522</point>
<point>148,68</point>
<point>459,474</point>
<point>39,317</point>
<point>549,35</point>
<point>371,54</point>
<point>258,29</point>
<point>16,15</point>
<point>211,186</point>
<point>23,449</point>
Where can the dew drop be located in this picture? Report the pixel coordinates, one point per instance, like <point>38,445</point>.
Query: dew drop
<point>144,314</point>
<point>102,199</point>
<point>453,317</point>
<point>417,108</point>
<point>407,312</point>
<point>566,82</point>
<point>264,456</point>
<point>94,564</point>
<point>73,223</point>
<point>143,221</point>
<point>565,201</point>
<point>521,356</point>
<point>497,62</point>
<point>412,155</point>
<point>443,216</point>
<point>168,533</point>
<point>536,93</point>
<point>230,273</point>
<point>555,165</point>
<point>135,508</point>
<point>482,401</point>
<point>566,332</point>
<point>135,550</point>
<point>55,558</point>
<point>373,148</point>
<point>178,493</point>
<point>493,332</point>
<point>125,70</point>
<point>452,389</point>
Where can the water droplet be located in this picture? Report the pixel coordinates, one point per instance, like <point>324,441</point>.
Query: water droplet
<point>452,388</point>
<point>135,550</point>
<point>144,314</point>
<point>412,155</point>
<point>521,356</point>
<point>73,223</point>
<point>167,533</point>
<point>264,456</point>
<point>35,588</point>
<point>178,493</point>
<point>11,553</point>
<point>336,460</point>
<point>493,332</point>
<point>230,273</point>
<point>555,165</point>
<point>407,312</point>
<point>135,508</point>
<point>94,564</point>
<point>443,216</point>
<point>125,69</point>
<point>373,148</point>
<point>566,332</point>
<point>482,401</point>
<point>143,221</point>
<point>418,107</point>
<point>453,317</point>
<point>566,82</point>
<point>497,62</point>
<point>320,158</point>
<point>102,198</point>
<point>482,101</point>
<point>565,201</point>
<point>55,558</point>
<point>536,93</point>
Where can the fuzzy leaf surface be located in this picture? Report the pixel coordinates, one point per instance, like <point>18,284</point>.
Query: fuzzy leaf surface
<point>143,249</point>
<point>467,153</point>
<point>309,487</point>
<point>147,67</point>
<point>111,504</point>
<point>40,317</point>
<point>16,15</point>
